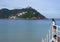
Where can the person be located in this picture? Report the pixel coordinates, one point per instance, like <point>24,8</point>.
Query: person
<point>53,22</point>
<point>54,30</point>
<point>54,39</point>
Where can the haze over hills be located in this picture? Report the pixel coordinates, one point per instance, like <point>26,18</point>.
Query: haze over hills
<point>24,13</point>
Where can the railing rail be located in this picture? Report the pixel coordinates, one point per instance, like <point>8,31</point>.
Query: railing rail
<point>50,34</point>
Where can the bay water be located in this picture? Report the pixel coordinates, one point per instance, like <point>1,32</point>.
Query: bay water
<point>24,30</point>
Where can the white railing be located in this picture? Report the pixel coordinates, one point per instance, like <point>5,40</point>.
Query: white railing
<point>50,34</point>
<point>47,38</point>
<point>58,30</point>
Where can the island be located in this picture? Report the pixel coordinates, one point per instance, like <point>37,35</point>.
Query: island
<point>24,13</point>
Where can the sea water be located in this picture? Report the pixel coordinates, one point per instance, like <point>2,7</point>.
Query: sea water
<point>24,30</point>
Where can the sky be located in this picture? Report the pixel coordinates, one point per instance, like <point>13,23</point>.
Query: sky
<point>48,8</point>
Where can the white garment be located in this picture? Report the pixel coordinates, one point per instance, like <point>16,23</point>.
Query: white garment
<point>53,23</point>
<point>53,40</point>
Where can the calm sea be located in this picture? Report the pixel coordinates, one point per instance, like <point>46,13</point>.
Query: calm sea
<point>24,30</point>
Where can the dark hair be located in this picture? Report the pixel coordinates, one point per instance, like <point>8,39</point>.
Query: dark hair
<point>52,41</point>
<point>55,36</point>
<point>54,27</point>
<point>53,19</point>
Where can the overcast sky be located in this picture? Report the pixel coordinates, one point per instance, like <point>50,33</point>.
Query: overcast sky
<point>49,8</point>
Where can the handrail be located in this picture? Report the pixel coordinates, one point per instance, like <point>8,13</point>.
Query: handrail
<point>47,39</point>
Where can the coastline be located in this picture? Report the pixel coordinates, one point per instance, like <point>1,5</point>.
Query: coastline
<point>25,19</point>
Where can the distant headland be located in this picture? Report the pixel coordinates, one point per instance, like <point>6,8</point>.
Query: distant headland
<point>24,13</point>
